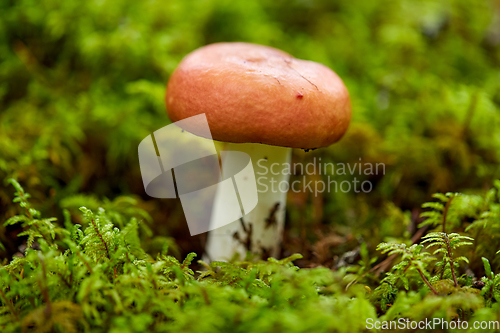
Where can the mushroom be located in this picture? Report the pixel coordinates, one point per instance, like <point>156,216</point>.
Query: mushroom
<point>261,101</point>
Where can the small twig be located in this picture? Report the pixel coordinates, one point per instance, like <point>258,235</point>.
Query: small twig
<point>416,237</point>
<point>383,265</point>
<point>425,281</point>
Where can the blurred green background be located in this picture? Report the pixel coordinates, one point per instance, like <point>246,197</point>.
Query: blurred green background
<point>83,82</point>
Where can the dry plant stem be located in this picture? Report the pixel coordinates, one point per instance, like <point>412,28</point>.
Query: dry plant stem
<point>260,231</point>
<point>381,267</point>
<point>426,282</point>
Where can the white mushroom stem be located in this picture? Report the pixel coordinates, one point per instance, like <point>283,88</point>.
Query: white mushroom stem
<point>261,230</point>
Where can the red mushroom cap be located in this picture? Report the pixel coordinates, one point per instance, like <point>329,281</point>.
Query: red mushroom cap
<point>257,94</point>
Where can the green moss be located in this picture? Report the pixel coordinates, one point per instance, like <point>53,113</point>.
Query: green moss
<point>98,278</point>
<point>82,83</point>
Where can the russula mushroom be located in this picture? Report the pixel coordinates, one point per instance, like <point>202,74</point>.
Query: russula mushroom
<point>261,101</point>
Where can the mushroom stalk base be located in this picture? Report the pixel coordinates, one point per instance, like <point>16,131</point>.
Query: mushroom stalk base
<point>261,230</point>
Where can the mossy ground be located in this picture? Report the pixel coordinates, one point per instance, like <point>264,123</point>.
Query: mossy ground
<point>82,83</point>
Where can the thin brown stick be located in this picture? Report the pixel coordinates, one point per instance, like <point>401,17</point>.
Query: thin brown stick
<point>426,282</point>
<point>383,265</point>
